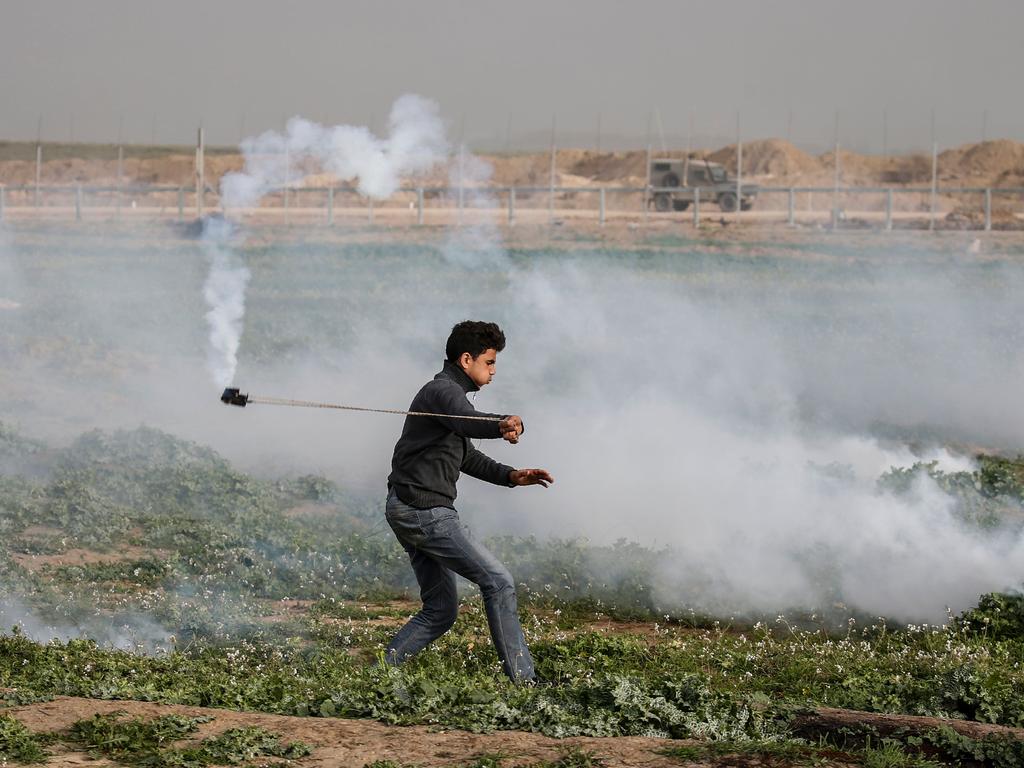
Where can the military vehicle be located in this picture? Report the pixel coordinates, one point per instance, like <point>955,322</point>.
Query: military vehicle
<point>674,182</point>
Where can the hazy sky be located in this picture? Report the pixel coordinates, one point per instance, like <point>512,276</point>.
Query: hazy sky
<point>157,69</point>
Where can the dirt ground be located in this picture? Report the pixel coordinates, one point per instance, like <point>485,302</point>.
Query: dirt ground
<point>343,743</point>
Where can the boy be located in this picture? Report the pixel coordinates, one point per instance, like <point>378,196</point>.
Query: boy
<point>428,459</point>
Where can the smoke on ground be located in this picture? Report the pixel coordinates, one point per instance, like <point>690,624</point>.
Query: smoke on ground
<point>136,632</point>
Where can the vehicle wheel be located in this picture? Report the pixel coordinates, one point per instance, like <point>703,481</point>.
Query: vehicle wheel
<point>681,205</point>
<point>746,205</point>
<point>662,202</point>
<point>727,201</point>
<point>670,180</point>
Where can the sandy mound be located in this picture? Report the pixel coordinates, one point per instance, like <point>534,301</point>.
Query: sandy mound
<point>607,166</point>
<point>988,160</point>
<point>768,158</point>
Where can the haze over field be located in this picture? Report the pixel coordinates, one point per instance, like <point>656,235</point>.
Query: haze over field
<point>728,407</point>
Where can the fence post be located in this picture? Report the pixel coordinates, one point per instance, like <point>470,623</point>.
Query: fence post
<point>888,210</point>
<point>551,176</point>
<point>835,187</point>
<point>39,173</point>
<point>369,210</point>
<point>601,214</point>
<point>181,203</point>
<point>696,207</point>
<point>988,210</point>
<point>200,172</point>
<point>120,169</point>
<point>792,208</point>
<point>511,206</point>
<point>330,206</point>
<point>935,176</point>
<point>462,173</point>
<point>739,170</point>
<point>78,202</point>
<point>419,205</point>
<point>3,195</point>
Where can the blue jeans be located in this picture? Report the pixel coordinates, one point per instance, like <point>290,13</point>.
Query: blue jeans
<point>440,546</point>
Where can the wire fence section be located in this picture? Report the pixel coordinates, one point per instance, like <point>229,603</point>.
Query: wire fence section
<point>896,207</point>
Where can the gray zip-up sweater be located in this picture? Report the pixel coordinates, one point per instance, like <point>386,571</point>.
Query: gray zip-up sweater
<point>432,451</point>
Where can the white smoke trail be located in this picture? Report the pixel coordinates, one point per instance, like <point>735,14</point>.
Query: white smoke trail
<point>224,292</point>
<point>416,142</point>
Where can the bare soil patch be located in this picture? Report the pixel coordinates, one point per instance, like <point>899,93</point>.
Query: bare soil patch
<point>80,556</point>
<point>348,742</point>
<point>343,743</point>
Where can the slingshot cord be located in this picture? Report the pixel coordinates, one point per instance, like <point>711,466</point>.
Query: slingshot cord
<point>311,404</point>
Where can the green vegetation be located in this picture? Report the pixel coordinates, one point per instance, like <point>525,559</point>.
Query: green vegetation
<point>572,757</point>
<point>225,590</point>
<point>151,743</point>
<point>135,741</point>
<point>19,744</point>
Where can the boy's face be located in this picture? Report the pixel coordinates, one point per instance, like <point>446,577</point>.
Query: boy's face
<point>480,368</point>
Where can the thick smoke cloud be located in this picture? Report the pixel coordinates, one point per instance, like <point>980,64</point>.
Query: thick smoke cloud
<point>681,420</point>
<point>415,143</point>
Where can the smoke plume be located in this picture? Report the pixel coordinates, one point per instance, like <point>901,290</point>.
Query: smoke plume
<point>415,143</point>
<point>224,292</point>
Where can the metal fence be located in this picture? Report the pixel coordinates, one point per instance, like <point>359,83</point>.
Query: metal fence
<point>883,208</point>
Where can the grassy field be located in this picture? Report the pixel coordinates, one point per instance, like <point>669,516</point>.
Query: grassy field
<point>167,598</point>
<point>213,588</point>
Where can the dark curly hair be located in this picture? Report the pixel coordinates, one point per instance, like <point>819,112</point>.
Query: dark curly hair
<point>475,337</point>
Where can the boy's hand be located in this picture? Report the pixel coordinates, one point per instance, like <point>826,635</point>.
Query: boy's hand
<point>511,428</point>
<point>530,477</point>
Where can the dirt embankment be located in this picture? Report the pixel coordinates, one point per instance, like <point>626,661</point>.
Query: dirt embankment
<point>343,742</point>
<point>771,161</point>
